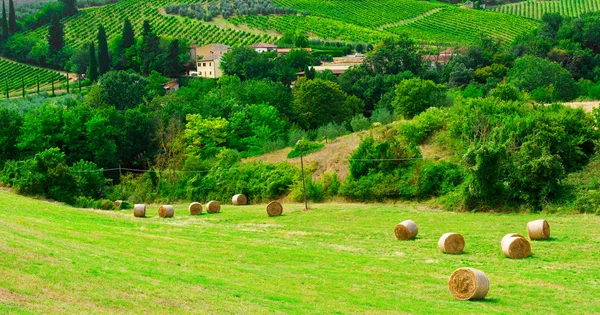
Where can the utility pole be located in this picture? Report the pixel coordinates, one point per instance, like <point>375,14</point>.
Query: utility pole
<point>299,144</point>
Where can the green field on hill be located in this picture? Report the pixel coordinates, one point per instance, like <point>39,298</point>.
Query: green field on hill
<point>535,9</point>
<point>14,75</point>
<point>334,259</point>
<point>350,21</point>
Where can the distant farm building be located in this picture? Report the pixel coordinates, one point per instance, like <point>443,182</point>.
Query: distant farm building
<point>264,47</point>
<point>442,58</point>
<point>337,70</point>
<point>171,86</point>
<point>208,59</point>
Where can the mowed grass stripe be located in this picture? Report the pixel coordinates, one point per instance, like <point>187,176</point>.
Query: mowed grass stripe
<point>337,258</point>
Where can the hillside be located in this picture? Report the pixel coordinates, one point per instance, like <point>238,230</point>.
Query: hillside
<point>13,75</point>
<point>535,9</point>
<point>62,260</point>
<point>332,20</point>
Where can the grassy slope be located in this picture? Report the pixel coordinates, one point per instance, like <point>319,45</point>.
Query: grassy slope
<point>329,20</point>
<point>338,258</point>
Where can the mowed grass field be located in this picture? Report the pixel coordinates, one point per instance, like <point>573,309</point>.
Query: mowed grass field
<point>334,259</point>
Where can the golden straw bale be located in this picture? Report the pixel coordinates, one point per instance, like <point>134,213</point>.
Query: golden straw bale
<point>516,247</point>
<point>213,207</point>
<point>195,208</point>
<point>468,284</point>
<point>139,210</point>
<point>166,211</point>
<point>239,200</point>
<point>451,243</point>
<point>538,230</point>
<point>406,230</point>
<point>274,208</point>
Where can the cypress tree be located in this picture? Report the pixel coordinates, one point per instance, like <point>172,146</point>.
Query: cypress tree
<point>172,64</point>
<point>4,23</point>
<point>150,50</point>
<point>103,58</point>
<point>69,7</point>
<point>128,35</point>
<point>55,35</point>
<point>92,66</point>
<point>12,19</point>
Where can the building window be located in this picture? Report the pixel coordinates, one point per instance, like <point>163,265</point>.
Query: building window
<point>204,64</point>
<point>210,64</point>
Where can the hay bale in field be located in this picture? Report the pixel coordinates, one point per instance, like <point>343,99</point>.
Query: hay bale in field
<point>239,200</point>
<point>139,210</point>
<point>117,203</point>
<point>166,211</point>
<point>451,243</point>
<point>195,208</point>
<point>468,284</point>
<point>538,230</point>
<point>516,247</point>
<point>507,236</point>
<point>406,230</point>
<point>213,207</point>
<point>274,208</point>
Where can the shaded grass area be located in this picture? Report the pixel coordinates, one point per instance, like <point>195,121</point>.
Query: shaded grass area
<point>335,259</point>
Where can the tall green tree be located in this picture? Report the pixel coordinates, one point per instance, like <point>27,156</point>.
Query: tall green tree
<point>12,19</point>
<point>128,35</point>
<point>55,35</point>
<point>172,62</point>
<point>4,23</point>
<point>93,64</point>
<point>150,49</point>
<point>103,57</point>
<point>69,7</point>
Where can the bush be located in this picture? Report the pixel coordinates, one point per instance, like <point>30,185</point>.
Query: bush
<point>360,122</point>
<point>382,115</point>
<point>307,148</point>
<point>331,131</point>
<point>414,96</point>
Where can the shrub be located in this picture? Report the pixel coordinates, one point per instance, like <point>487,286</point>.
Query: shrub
<point>360,122</point>
<point>382,115</point>
<point>307,148</point>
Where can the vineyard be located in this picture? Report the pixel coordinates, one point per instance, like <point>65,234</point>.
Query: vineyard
<point>15,75</point>
<point>321,27</point>
<point>535,9</point>
<point>352,21</point>
<point>82,28</point>
<point>463,26</point>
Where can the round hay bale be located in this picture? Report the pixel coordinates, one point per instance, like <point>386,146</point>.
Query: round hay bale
<point>139,210</point>
<point>468,284</point>
<point>213,207</point>
<point>538,230</point>
<point>516,247</point>
<point>507,236</point>
<point>239,200</point>
<point>166,211</point>
<point>451,243</point>
<point>406,230</point>
<point>117,203</point>
<point>274,208</point>
<point>195,208</point>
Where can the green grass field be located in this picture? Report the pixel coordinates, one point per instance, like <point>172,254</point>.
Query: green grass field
<point>335,259</point>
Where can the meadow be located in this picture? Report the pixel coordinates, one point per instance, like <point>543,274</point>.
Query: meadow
<point>335,259</point>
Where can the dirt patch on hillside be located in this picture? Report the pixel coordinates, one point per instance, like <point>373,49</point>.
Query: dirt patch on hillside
<point>587,106</point>
<point>332,158</point>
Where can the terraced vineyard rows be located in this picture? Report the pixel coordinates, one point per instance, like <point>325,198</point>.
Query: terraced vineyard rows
<point>82,28</point>
<point>13,73</point>
<point>535,9</point>
<point>464,26</point>
<point>368,13</point>
<point>314,25</point>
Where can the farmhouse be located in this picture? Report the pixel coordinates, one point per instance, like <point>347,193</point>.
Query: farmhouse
<point>442,58</point>
<point>264,47</point>
<point>208,59</point>
<point>337,70</point>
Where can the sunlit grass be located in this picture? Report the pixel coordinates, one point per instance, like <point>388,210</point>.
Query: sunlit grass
<point>334,259</point>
